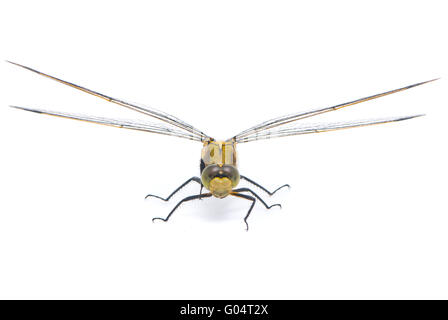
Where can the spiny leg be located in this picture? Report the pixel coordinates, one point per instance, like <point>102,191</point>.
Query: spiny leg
<point>197,196</point>
<point>262,188</point>
<point>244,196</point>
<point>195,179</point>
<point>256,196</point>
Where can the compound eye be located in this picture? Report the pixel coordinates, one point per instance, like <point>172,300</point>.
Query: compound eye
<point>216,171</point>
<point>232,173</point>
<point>210,172</point>
<point>235,178</point>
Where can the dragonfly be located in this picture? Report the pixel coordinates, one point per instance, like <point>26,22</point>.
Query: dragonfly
<point>219,173</point>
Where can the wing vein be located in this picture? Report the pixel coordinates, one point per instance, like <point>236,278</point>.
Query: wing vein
<point>320,127</point>
<point>160,115</point>
<point>269,124</point>
<point>120,123</point>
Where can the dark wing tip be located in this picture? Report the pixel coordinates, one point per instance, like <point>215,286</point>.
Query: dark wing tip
<point>26,109</point>
<point>432,80</point>
<point>419,83</point>
<point>22,66</point>
<point>15,63</point>
<point>411,117</point>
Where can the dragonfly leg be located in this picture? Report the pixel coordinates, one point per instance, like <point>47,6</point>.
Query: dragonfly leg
<point>197,196</point>
<point>195,179</point>
<point>200,191</point>
<point>262,188</point>
<point>244,196</point>
<point>256,196</point>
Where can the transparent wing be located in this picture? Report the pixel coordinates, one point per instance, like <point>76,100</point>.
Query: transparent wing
<point>120,123</point>
<point>302,115</point>
<point>316,128</point>
<point>172,120</point>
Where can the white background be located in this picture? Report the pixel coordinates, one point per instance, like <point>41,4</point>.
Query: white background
<point>366,216</point>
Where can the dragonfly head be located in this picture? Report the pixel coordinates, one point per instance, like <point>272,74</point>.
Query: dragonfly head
<point>220,179</point>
